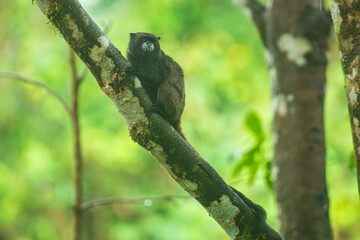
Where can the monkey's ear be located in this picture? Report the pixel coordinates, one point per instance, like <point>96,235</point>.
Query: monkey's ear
<point>159,38</point>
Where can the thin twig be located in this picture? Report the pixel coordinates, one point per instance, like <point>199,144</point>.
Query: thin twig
<point>19,77</point>
<point>83,73</point>
<point>76,80</point>
<point>147,201</point>
<point>106,29</point>
<point>75,83</point>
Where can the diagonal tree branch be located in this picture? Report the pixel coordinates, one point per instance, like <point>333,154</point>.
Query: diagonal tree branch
<point>150,130</point>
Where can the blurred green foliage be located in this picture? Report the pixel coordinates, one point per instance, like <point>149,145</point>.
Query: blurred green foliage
<point>255,157</point>
<point>226,78</point>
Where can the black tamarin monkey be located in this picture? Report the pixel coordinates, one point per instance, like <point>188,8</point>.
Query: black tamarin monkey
<point>163,80</point>
<point>160,75</point>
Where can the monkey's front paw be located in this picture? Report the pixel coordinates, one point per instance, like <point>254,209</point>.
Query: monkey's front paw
<point>130,71</point>
<point>156,108</point>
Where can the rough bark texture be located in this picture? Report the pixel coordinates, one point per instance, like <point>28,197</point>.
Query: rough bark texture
<point>151,131</point>
<point>346,16</point>
<point>295,34</point>
<point>297,40</point>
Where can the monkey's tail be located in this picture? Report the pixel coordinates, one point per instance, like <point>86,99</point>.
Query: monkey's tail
<point>257,209</point>
<point>179,130</point>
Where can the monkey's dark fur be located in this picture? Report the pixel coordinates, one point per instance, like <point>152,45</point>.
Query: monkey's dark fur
<point>163,80</point>
<point>159,74</point>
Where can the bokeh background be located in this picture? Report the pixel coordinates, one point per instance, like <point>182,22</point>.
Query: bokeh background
<point>226,80</point>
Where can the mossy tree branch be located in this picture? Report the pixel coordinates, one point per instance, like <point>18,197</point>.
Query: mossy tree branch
<point>150,130</point>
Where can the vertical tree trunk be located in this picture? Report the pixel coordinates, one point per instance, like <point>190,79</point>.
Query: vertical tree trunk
<point>295,34</point>
<point>346,15</point>
<point>297,41</point>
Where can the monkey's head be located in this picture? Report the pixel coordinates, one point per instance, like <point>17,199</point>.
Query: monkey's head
<point>143,45</point>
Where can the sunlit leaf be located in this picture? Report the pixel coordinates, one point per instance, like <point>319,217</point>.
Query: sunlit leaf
<point>253,124</point>
<point>246,160</point>
<point>352,161</point>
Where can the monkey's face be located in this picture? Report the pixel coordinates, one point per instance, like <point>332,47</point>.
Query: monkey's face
<point>144,44</point>
<point>147,46</point>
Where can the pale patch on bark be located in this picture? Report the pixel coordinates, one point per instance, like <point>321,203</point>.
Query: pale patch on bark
<point>98,55</point>
<point>192,186</point>
<point>104,41</point>
<point>290,97</point>
<point>137,83</point>
<point>335,13</point>
<point>274,172</point>
<point>268,57</point>
<point>154,147</point>
<point>353,95</point>
<point>76,34</point>
<point>129,107</point>
<point>158,152</point>
<point>273,73</point>
<point>275,138</point>
<point>281,104</point>
<point>356,129</point>
<point>224,212</point>
<point>352,75</point>
<point>295,48</point>
<point>356,121</point>
<point>86,19</point>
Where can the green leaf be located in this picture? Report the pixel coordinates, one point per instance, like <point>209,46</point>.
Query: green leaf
<point>351,164</point>
<point>245,160</point>
<point>253,124</point>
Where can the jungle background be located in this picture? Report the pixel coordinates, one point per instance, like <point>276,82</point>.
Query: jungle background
<point>227,82</point>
